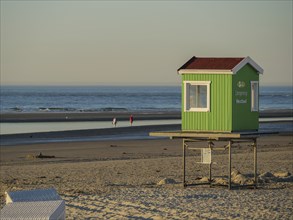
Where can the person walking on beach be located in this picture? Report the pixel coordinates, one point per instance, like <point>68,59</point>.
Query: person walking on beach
<point>114,122</point>
<point>131,120</point>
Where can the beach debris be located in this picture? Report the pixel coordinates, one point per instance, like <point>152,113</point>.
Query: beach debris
<point>166,181</point>
<point>234,173</point>
<point>44,156</point>
<point>284,179</point>
<point>42,177</point>
<point>113,145</point>
<point>266,175</point>
<point>220,181</point>
<point>31,156</point>
<point>282,174</point>
<point>204,179</point>
<point>276,177</point>
<point>239,178</point>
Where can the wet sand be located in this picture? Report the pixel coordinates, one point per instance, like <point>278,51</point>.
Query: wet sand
<point>108,116</point>
<point>84,116</point>
<point>118,133</point>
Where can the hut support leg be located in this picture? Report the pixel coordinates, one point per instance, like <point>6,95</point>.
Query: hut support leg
<point>255,162</point>
<point>184,161</point>
<point>210,166</point>
<point>210,178</point>
<point>230,164</point>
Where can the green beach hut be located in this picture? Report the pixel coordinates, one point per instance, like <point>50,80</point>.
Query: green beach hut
<point>220,94</point>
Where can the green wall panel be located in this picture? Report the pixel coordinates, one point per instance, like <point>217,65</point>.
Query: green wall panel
<point>220,116</point>
<point>243,118</point>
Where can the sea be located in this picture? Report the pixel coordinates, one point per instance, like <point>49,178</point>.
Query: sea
<point>116,98</point>
<point>147,99</point>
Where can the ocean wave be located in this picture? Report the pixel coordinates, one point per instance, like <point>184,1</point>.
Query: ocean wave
<point>285,95</point>
<point>56,109</point>
<point>61,109</point>
<point>16,109</point>
<point>110,109</point>
<point>106,109</point>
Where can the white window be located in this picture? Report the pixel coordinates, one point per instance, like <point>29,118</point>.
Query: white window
<point>254,96</point>
<point>197,96</point>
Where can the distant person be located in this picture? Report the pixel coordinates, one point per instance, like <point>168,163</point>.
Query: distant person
<point>131,120</point>
<point>114,122</point>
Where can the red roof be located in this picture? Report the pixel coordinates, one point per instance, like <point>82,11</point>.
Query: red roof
<point>211,63</point>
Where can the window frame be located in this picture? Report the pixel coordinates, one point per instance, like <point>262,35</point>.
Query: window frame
<point>254,104</point>
<point>187,107</point>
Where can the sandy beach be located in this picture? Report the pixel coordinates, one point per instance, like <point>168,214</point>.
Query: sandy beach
<point>118,179</point>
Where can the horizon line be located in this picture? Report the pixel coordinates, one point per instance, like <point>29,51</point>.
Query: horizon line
<point>126,85</point>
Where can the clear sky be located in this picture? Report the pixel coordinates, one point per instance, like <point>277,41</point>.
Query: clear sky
<point>139,43</point>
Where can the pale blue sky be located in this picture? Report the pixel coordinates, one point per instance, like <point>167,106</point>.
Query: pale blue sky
<point>139,43</point>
